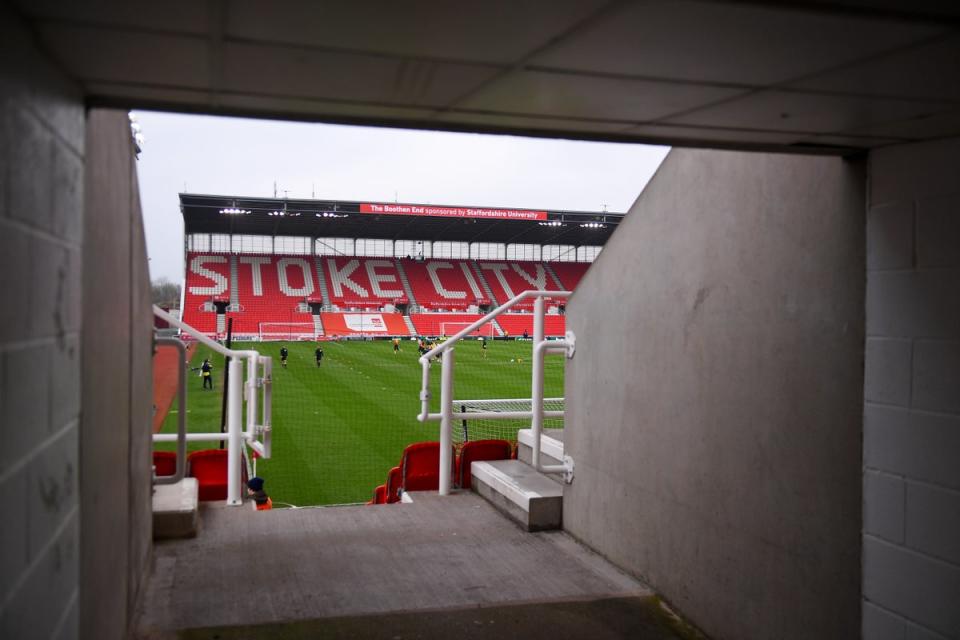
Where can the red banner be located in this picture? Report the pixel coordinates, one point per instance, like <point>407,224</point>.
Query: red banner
<point>451,212</point>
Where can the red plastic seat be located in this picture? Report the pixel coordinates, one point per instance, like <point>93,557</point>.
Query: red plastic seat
<point>480,450</point>
<point>209,467</point>
<point>165,462</point>
<point>379,495</point>
<point>393,485</point>
<point>420,466</point>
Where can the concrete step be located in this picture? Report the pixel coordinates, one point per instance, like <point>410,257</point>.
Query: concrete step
<point>551,447</point>
<point>530,498</point>
<point>175,509</point>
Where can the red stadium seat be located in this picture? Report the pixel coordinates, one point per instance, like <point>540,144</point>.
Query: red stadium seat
<point>393,486</point>
<point>476,451</point>
<point>379,495</point>
<point>209,467</point>
<point>420,466</point>
<point>165,462</point>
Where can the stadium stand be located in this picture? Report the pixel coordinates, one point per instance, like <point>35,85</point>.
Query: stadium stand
<point>365,323</point>
<point>279,288</point>
<point>476,451</point>
<point>208,278</point>
<point>362,283</point>
<point>272,289</point>
<point>570,273</point>
<point>394,480</point>
<point>516,323</point>
<point>507,279</point>
<point>445,285</point>
<point>432,324</point>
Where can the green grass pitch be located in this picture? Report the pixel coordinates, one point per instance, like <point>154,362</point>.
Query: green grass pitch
<point>339,428</point>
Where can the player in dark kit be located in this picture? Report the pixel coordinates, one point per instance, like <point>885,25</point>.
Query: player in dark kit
<point>206,372</point>
<point>483,347</point>
<point>283,357</point>
<point>396,346</point>
<point>319,354</point>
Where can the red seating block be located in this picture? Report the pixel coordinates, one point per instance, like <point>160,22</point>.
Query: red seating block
<point>165,462</point>
<point>209,467</point>
<point>478,450</point>
<point>393,485</point>
<point>420,466</point>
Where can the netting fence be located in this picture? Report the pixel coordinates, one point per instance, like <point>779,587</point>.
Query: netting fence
<point>468,429</point>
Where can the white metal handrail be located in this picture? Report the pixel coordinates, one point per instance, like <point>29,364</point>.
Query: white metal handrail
<point>537,413</point>
<point>258,433</point>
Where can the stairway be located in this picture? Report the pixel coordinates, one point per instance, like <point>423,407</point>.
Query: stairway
<point>533,499</point>
<point>317,325</point>
<point>318,263</point>
<point>406,289</point>
<point>407,320</point>
<point>234,285</point>
<point>221,323</point>
<point>486,288</point>
<point>553,276</point>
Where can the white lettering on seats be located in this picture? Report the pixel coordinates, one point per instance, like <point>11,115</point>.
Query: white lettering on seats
<point>340,278</point>
<point>377,278</point>
<point>255,264</point>
<point>539,282</point>
<point>432,269</point>
<point>498,269</point>
<point>219,280</point>
<point>285,287</point>
<point>471,280</point>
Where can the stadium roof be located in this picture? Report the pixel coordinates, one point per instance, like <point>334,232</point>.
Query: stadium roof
<point>393,221</point>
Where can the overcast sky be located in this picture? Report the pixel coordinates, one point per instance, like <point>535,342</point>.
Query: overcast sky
<point>233,156</point>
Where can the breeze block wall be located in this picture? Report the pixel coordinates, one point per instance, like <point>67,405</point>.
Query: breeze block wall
<point>714,404</point>
<point>911,477</point>
<point>41,215</point>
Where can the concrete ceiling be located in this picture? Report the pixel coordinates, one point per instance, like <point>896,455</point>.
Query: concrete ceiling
<point>814,76</point>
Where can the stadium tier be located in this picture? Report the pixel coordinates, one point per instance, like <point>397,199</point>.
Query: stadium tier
<point>449,285</point>
<point>297,296</point>
<point>516,323</point>
<point>569,273</point>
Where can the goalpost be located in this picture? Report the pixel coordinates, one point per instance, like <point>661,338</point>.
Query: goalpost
<point>466,429</point>
<point>450,328</point>
<point>271,331</point>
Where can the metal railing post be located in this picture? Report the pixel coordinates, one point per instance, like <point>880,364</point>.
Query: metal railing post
<point>234,431</point>
<point>536,384</point>
<point>446,421</point>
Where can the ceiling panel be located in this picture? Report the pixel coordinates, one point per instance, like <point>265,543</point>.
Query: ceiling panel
<point>941,125</point>
<point>498,31</point>
<point>700,134</point>
<point>810,113</point>
<point>726,43</point>
<point>184,16</point>
<point>528,123</point>
<point>121,56</point>
<point>931,71</point>
<point>566,95</point>
<point>346,76</point>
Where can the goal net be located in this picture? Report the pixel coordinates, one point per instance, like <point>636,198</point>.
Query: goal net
<point>468,429</point>
<point>452,328</point>
<point>287,331</point>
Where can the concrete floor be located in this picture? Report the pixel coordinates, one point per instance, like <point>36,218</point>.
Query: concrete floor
<point>308,565</point>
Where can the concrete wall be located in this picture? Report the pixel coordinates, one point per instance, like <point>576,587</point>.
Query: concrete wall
<point>41,204</point>
<point>117,351</point>
<point>74,357</point>
<point>911,478</point>
<point>714,404</point>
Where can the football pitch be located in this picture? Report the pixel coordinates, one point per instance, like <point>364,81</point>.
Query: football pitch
<point>340,427</point>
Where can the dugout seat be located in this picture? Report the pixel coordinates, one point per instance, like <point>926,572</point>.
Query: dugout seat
<point>420,466</point>
<point>476,451</point>
<point>209,467</point>
<point>165,462</point>
<point>393,485</point>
